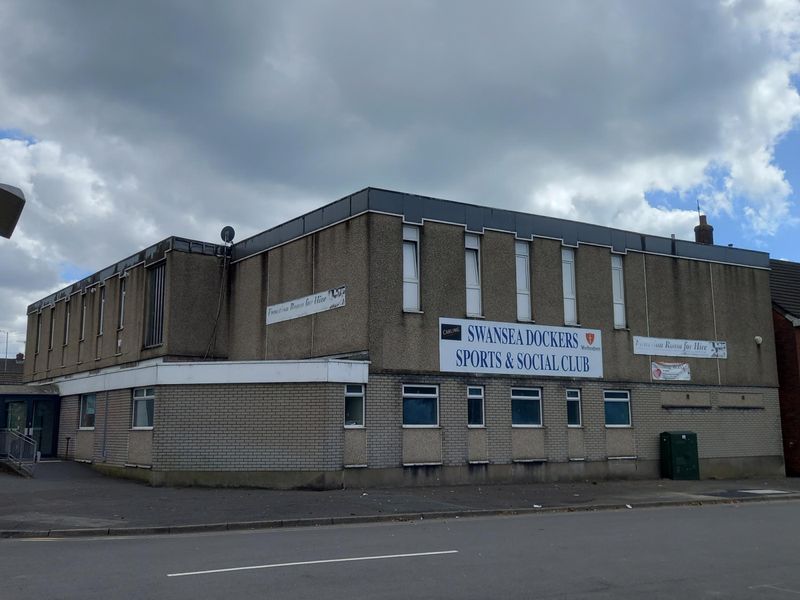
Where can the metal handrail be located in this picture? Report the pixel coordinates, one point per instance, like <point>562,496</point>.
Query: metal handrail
<point>18,448</point>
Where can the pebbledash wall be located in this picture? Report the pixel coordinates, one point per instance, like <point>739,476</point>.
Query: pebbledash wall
<point>240,401</point>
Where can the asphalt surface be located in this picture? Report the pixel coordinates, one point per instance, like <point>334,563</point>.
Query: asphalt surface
<point>724,551</point>
<point>67,498</point>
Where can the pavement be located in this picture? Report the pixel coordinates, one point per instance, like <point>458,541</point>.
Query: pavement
<point>70,499</point>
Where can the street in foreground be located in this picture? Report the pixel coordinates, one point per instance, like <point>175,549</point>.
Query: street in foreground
<point>726,551</point>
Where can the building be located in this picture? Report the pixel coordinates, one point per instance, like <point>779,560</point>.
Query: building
<point>785,284</point>
<point>391,339</point>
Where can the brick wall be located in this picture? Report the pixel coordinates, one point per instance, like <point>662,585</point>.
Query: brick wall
<point>68,425</point>
<point>249,427</point>
<point>112,426</point>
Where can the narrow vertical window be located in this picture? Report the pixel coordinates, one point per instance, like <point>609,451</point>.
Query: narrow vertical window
<point>143,408</point>
<point>52,327</point>
<point>67,306</point>
<point>101,310</point>
<point>523,266</point>
<point>353,405</point>
<point>472,253</point>
<point>574,408</point>
<point>122,281</point>
<point>568,277</point>
<point>618,289</point>
<point>87,411</point>
<point>155,306</point>
<point>83,316</point>
<point>38,330</point>
<point>410,268</point>
<point>475,406</point>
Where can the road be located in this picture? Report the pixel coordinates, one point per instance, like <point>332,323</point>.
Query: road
<point>726,551</point>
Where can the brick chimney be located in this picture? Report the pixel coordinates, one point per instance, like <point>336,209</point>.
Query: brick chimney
<point>704,233</point>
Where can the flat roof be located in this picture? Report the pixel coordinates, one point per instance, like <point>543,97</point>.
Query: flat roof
<point>417,209</point>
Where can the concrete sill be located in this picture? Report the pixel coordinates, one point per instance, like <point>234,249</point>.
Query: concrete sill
<point>414,312</point>
<point>577,460</point>
<point>622,457</point>
<point>355,466</point>
<point>83,460</point>
<point>135,466</point>
<point>478,462</point>
<point>476,426</point>
<point>423,464</point>
<point>529,460</point>
<point>475,317</point>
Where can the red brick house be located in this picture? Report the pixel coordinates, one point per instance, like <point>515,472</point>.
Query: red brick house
<point>785,288</point>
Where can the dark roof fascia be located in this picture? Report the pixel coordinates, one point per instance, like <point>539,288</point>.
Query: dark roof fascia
<point>417,209</point>
<point>148,256</point>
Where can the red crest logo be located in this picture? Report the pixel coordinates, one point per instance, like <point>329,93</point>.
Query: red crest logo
<point>590,338</point>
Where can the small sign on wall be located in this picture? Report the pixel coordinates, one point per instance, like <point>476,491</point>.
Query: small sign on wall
<point>670,371</point>
<point>308,305</point>
<point>674,347</point>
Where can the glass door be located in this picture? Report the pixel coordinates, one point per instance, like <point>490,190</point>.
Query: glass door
<point>44,426</point>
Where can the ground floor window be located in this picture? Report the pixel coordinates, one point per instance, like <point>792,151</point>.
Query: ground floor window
<point>353,405</point>
<point>475,406</point>
<point>574,408</point>
<point>420,406</point>
<point>526,407</point>
<point>143,408</point>
<point>86,419</point>
<point>617,408</point>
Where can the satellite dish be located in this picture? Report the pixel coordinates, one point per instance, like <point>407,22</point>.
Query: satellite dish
<point>12,200</point>
<point>227,234</point>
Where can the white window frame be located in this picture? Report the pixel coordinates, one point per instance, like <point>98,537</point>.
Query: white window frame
<point>626,400</point>
<point>52,327</point>
<point>83,316</point>
<point>102,309</point>
<point>82,411</point>
<point>434,396</point>
<point>355,390</point>
<point>527,398</point>
<point>472,248</point>
<point>574,395</point>
<point>144,394</point>
<point>122,290</point>
<point>618,291</point>
<point>568,286</point>
<point>477,392</point>
<point>66,321</point>
<point>411,301</point>
<point>522,266</point>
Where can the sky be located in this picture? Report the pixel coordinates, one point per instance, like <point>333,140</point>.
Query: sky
<point>127,122</point>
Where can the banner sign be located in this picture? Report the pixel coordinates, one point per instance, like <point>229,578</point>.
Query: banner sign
<point>670,371</point>
<point>471,346</point>
<point>302,307</point>
<point>669,347</point>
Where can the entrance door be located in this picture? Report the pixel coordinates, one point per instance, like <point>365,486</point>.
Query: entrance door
<point>44,426</point>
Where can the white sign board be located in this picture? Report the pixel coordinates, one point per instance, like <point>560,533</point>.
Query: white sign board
<point>670,371</point>
<point>669,347</point>
<point>471,346</point>
<point>302,307</point>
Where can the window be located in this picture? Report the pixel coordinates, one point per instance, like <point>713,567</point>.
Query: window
<point>155,306</point>
<point>83,316</point>
<point>568,277</point>
<point>410,268</point>
<point>574,408</point>
<point>353,405</point>
<point>617,408</point>
<point>143,408</point>
<point>52,327</point>
<point>122,302</point>
<point>102,310</point>
<point>475,406</point>
<point>523,265</point>
<point>472,252</point>
<point>38,330</point>
<point>87,411</point>
<point>66,322</point>
<point>526,407</point>
<point>618,291</point>
<point>420,406</point>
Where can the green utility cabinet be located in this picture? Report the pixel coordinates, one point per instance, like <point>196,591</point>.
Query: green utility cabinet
<point>679,459</point>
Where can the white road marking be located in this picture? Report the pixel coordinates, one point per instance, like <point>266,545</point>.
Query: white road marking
<point>765,492</point>
<point>313,562</point>
<point>775,587</point>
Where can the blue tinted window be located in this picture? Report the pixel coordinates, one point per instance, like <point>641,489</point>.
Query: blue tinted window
<point>419,411</point>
